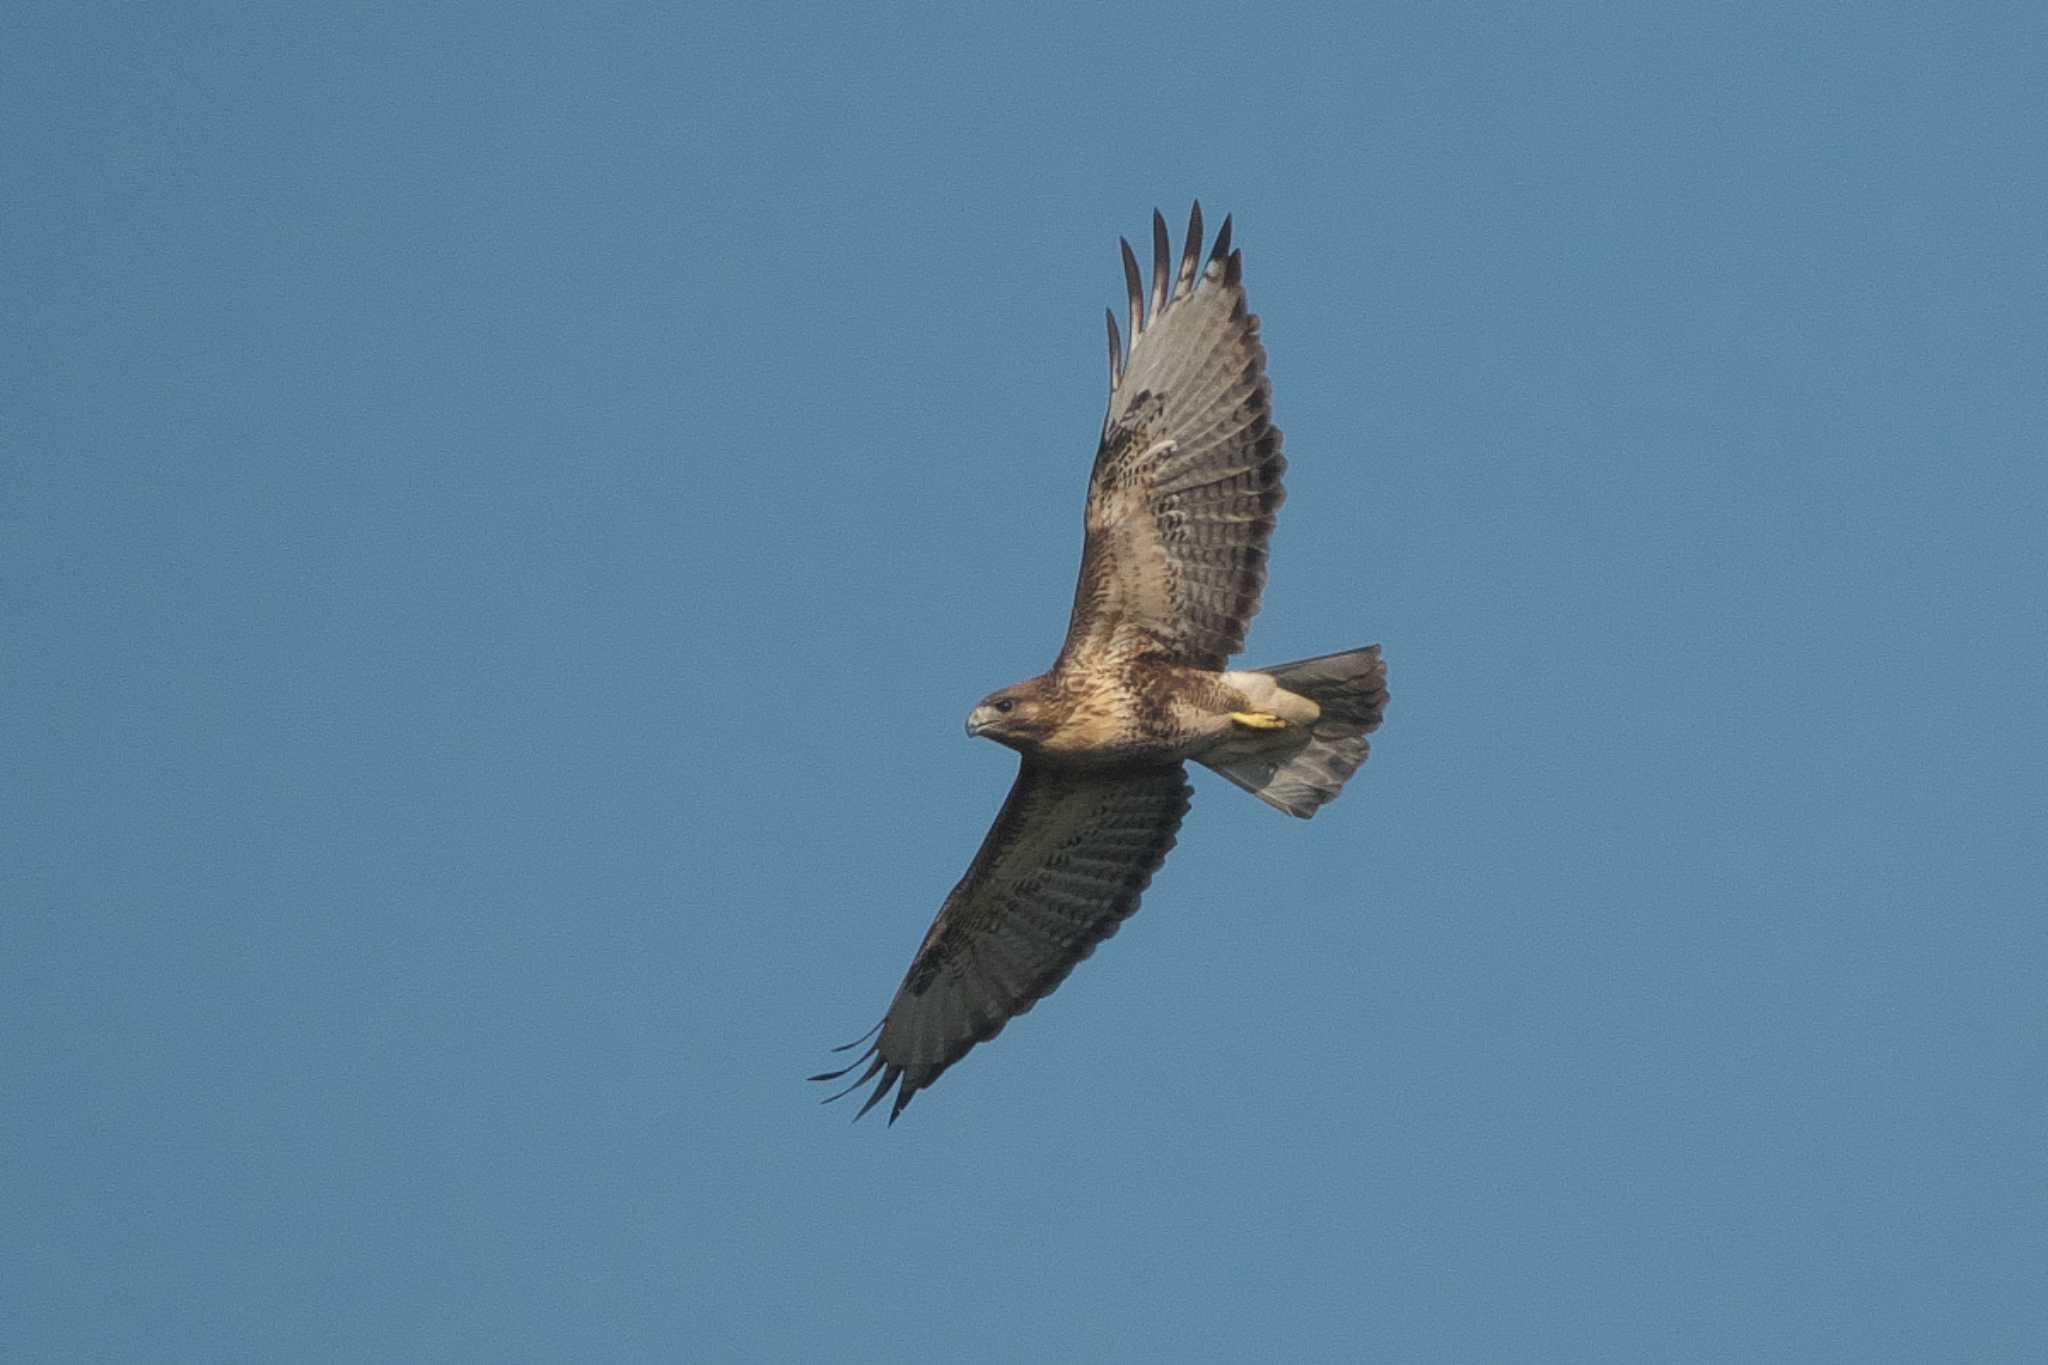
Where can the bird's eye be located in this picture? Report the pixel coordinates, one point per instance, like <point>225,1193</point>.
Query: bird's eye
<point>1006,706</point>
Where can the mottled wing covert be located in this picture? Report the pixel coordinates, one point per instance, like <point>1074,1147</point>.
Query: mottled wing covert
<point>1062,867</point>
<point>1187,479</point>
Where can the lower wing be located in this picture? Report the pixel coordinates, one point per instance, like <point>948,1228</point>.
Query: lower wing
<point>1062,867</point>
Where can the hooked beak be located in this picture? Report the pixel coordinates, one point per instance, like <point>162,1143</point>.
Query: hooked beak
<point>979,719</point>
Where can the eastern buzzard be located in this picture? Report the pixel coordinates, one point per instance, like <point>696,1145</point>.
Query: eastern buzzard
<point>1180,506</point>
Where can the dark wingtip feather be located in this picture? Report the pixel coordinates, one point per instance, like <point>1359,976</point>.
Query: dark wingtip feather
<point>1162,247</point>
<point>890,1075</point>
<point>1134,287</point>
<point>835,1075</point>
<point>848,1047</point>
<point>1221,251</point>
<point>1116,349</point>
<point>875,1065</point>
<point>1191,252</point>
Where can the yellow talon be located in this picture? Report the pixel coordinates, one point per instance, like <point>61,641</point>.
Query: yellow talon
<point>1258,720</point>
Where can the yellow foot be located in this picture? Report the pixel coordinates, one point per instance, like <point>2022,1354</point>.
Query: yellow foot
<point>1258,720</point>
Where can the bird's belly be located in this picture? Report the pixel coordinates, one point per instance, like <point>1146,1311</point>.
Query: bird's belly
<point>1167,713</point>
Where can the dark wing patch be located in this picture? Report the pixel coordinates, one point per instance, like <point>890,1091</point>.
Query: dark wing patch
<point>1187,479</point>
<point>1062,867</point>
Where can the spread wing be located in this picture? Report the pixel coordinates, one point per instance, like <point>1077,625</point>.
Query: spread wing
<point>1187,479</point>
<point>1062,867</point>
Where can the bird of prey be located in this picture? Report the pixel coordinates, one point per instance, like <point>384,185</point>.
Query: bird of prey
<point>1180,506</point>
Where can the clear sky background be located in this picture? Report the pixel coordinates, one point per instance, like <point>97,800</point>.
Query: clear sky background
<point>503,512</point>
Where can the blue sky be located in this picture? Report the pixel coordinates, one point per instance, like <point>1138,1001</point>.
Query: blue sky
<point>503,512</point>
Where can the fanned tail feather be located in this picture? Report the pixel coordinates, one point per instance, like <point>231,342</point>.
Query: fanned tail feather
<point>1351,689</point>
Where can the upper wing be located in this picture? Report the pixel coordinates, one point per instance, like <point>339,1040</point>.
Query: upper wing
<point>1187,479</point>
<point>1062,867</point>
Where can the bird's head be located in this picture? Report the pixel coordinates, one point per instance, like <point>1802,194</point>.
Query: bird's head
<point>1017,715</point>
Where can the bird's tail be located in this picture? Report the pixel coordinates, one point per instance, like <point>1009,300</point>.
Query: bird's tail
<point>1351,689</point>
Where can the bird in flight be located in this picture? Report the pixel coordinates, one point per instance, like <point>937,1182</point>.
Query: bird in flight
<point>1180,507</point>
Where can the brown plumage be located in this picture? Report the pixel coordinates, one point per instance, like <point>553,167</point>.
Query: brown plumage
<point>1181,504</point>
